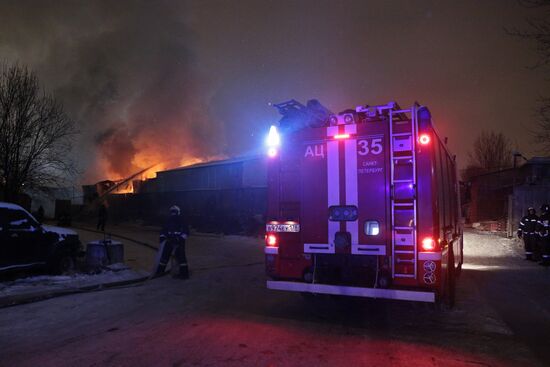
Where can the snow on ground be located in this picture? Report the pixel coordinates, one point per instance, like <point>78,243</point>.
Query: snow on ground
<point>486,250</point>
<point>44,284</point>
<point>509,287</point>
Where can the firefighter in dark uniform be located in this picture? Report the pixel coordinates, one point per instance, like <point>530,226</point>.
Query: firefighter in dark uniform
<point>101,217</point>
<point>543,228</point>
<point>527,230</point>
<point>172,239</point>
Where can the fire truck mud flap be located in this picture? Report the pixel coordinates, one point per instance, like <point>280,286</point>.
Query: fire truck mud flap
<point>405,295</point>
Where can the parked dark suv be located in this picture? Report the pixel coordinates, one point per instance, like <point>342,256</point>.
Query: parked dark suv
<point>27,244</point>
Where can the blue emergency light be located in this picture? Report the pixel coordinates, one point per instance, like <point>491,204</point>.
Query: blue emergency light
<point>273,142</point>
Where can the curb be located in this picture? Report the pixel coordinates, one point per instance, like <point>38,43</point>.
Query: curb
<point>43,295</point>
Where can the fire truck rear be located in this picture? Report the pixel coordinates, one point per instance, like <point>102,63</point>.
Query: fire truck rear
<point>362,203</point>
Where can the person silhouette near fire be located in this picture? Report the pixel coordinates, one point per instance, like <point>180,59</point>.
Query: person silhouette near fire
<point>101,217</point>
<point>172,240</point>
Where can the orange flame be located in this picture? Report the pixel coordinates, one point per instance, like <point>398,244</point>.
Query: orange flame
<point>142,161</point>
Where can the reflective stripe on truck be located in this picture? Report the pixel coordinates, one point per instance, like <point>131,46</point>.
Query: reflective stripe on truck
<point>404,295</point>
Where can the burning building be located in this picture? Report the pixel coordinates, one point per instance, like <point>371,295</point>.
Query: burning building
<point>219,196</point>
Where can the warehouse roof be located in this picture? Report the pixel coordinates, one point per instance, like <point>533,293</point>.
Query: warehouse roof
<point>216,163</point>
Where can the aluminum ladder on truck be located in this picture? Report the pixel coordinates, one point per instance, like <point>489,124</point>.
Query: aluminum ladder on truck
<point>403,192</point>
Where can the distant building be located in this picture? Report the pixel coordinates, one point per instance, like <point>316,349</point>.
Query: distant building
<point>55,201</point>
<point>505,195</point>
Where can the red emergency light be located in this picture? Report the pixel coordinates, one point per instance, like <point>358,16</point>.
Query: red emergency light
<point>341,136</point>
<point>428,244</point>
<point>424,139</point>
<point>271,240</point>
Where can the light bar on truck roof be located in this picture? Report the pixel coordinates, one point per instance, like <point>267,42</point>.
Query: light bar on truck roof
<point>341,136</point>
<point>273,138</point>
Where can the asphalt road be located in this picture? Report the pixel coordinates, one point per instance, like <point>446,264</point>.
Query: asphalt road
<point>518,290</point>
<point>224,316</point>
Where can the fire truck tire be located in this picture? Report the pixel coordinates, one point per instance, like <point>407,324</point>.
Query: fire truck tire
<point>450,280</point>
<point>459,268</point>
<point>384,279</point>
<point>310,297</point>
<point>307,276</point>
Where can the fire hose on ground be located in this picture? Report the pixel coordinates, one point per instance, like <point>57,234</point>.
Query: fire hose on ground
<point>39,296</point>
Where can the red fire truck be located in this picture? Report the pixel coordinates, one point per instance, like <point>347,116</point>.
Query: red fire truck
<point>362,203</point>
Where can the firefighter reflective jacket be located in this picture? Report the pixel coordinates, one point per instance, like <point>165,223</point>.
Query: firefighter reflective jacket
<point>543,227</point>
<point>528,225</point>
<point>175,226</point>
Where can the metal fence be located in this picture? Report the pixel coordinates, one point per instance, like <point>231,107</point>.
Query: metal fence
<point>229,211</point>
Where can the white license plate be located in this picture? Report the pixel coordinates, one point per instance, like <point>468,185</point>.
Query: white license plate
<point>282,228</point>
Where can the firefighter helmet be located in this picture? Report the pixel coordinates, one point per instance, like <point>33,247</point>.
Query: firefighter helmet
<point>545,208</point>
<point>175,210</point>
<point>531,210</point>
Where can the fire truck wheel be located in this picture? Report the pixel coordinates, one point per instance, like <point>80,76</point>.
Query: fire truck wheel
<point>384,279</point>
<point>459,268</point>
<point>450,280</point>
<point>310,297</point>
<point>308,276</point>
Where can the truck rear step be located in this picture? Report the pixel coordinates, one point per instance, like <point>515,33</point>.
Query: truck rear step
<point>405,295</point>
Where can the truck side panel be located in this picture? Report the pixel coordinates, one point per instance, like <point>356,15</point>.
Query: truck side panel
<point>372,178</point>
<point>314,191</point>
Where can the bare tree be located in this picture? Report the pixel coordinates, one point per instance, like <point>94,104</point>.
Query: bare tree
<point>35,135</point>
<point>491,152</point>
<point>537,31</point>
<point>542,131</point>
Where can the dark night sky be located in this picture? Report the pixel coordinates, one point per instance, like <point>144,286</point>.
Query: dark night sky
<point>208,69</point>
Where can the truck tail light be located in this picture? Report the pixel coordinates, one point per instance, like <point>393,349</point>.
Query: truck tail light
<point>428,244</point>
<point>424,139</point>
<point>271,240</point>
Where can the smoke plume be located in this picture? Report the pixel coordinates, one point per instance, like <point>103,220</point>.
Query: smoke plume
<point>125,71</point>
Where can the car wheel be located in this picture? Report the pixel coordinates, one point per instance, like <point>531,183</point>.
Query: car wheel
<point>65,264</point>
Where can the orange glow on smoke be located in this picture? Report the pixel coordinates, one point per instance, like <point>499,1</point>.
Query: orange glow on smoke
<point>142,161</point>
